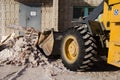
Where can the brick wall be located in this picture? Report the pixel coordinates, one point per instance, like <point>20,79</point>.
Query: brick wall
<point>46,16</point>
<point>58,14</point>
<point>2,24</point>
<point>66,11</point>
<point>50,15</point>
<point>9,10</point>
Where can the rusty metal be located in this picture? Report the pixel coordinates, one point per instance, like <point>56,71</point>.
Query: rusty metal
<point>49,42</point>
<point>46,43</point>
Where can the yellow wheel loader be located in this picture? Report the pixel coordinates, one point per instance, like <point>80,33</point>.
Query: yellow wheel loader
<point>79,45</point>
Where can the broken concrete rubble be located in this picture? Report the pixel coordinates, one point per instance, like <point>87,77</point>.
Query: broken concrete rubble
<point>7,38</point>
<point>20,50</point>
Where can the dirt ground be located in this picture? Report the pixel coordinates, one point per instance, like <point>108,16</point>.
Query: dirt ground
<point>55,71</point>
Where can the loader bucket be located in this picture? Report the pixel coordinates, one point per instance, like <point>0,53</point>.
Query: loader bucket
<point>49,43</point>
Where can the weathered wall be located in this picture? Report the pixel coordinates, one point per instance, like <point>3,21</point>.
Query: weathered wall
<point>66,11</point>
<point>34,21</point>
<point>50,15</point>
<point>47,16</point>
<point>22,14</point>
<point>9,10</point>
<point>56,14</point>
<point>2,23</point>
<point>85,2</point>
<point>26,20</point>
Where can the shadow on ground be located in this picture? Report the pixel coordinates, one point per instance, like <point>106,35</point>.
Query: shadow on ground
<point>101,66</point>
<point>2,47</point>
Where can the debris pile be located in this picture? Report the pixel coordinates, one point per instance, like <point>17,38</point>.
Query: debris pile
<point>21,50</point>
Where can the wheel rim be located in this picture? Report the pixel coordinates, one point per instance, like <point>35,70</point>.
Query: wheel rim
<point>71,49</point>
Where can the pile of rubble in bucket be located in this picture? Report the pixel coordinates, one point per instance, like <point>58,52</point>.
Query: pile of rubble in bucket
<point>21,50</point>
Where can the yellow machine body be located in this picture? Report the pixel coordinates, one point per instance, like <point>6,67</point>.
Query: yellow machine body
<point>111,21</point>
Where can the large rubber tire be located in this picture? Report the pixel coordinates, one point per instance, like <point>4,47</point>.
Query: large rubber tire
<point>78,49</point>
